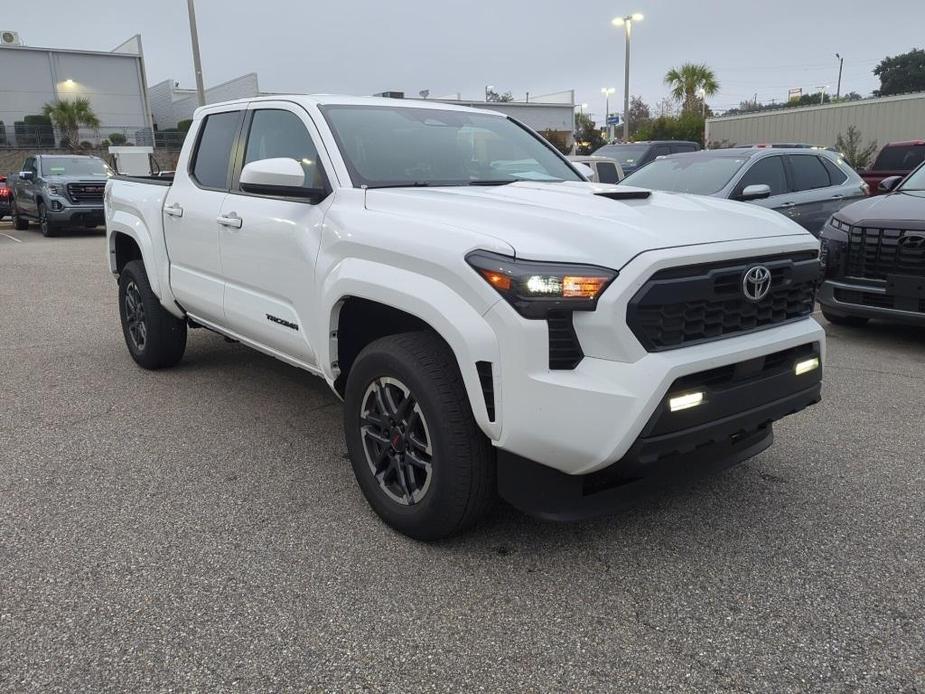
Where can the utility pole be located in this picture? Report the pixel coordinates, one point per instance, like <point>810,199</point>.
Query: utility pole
<point>841,62</point>
<point>197,63</point>
<point>627,24</point>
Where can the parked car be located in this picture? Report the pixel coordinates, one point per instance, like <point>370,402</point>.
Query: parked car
<point>4,198</point>
<point>874,256</point>
<point>603,169</point>
<point>895,159</point>
<point>492,321</point>
<point>59,191</point>
<point>634,155</point>
<point>806,185</point>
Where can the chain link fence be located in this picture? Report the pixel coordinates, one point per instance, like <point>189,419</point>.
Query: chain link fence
<point>21,135</point>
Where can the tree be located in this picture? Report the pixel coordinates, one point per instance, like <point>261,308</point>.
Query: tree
<point>557,139</point>
<point>587,135</point>
<point>67,116</point>
<point>687,126</point>
<point>689,79</point>
<point>492,95</point>
<point>853,150</point>
<point>640,114</point>
<point>902,73</point>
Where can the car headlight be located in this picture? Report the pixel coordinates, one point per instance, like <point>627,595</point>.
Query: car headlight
<point>55,189</point>
<point>839,224</point>
<point>534,288</point>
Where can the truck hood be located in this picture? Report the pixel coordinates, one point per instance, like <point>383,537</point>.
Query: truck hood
<point>573,222</point>
<point>906,210</point>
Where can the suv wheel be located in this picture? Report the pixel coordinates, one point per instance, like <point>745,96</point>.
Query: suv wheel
<point>419,457</point>
<point>155,338</point>
<point>48,229</point>
<point>854,321</point>
<point>20,223</point>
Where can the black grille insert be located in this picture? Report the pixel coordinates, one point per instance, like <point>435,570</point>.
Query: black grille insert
<point>488,387</point>
<point>682,306</point>
<point>86,192</point>
<point>564,348</point>
<point>876,253</point>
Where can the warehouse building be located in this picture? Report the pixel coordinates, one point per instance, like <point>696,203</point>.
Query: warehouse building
<point>888,119</point>
<point>113,81</point>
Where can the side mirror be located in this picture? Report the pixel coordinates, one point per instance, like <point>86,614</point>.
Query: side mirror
<point>281,176</point>
<point>758,191</point>
<point>25,175</point>
<point>584,170</point>
<point>889,183</point>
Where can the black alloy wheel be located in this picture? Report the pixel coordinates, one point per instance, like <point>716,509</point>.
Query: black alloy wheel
<point>135,316</point>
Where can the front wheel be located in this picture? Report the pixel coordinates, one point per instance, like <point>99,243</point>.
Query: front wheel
<point>155,338</point>
<point>20,223</point>
<point>48,229</point>
<point>419,457</point>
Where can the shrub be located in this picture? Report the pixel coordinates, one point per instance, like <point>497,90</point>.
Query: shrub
<point>184,125</point>
<point>118,139</point>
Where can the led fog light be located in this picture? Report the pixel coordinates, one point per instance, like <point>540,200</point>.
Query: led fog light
<point>806,366</point>
<point>684,402</point>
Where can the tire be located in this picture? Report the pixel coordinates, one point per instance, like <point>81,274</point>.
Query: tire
<point>155,338</point>
<point>457,486</point>
<point>48,229</point>
<point>853,321</point>
<point>20,223</point>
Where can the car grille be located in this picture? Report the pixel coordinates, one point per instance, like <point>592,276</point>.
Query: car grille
<point>876,253</point>
<point>678,307</point>
<point>86,192</point>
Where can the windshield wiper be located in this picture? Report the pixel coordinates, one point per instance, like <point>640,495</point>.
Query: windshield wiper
<point>489,182</point>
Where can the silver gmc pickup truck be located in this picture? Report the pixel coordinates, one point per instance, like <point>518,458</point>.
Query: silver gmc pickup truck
<point>59,191</point>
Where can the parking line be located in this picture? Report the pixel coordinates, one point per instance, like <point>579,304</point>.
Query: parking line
<point>12,238</point>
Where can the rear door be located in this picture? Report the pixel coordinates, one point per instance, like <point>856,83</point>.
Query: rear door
<point>269,252</point>
<point>191,212</point>
<point>845,189</point>
<point>812,191</point>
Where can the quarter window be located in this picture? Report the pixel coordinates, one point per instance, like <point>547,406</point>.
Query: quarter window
<point>808,172</point>
<point>213,155</point>
<point>276,134</point>
<point>836,175</point>
<point>768,171</point>
<point>607,173</point>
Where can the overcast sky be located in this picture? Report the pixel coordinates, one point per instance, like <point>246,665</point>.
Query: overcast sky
<point>540,46</point>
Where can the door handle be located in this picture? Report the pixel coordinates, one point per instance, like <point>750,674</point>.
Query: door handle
<point>788,203</point>
<point>174,210</point>
<point>231,220</point>
<point>837,196</point>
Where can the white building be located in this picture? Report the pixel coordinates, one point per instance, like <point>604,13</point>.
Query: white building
<point>171,104</point>
<point>113,81</point>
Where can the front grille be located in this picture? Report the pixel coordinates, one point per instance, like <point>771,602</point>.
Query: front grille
<point>564,349</point>
<point>85,192</point>
<point>876,253</point>
<point>877,300</point>
<point>682,306</point>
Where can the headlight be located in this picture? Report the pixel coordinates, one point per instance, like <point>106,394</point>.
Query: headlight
<point>55,189</point>
<point>840,225</point>
<point>534,288</point>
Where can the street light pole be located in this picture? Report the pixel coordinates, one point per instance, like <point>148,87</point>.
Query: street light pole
<point>627,24</point>
<point>841,62</point>
<point>607,91</point>
<point>197,63</point>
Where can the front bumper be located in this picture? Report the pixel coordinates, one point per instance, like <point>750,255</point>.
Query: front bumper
<point>870,299</point>
<point>76,215</point>
<point>733,424</point>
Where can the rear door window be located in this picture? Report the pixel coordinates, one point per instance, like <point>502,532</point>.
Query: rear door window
<point>607,173</point>
<point>808,172</point>
<point>768,171</point>
<point>899,158</point>
<point>836,175</point>
<point>677,149</point>
<point>211,163</point>
<point>659,151</point>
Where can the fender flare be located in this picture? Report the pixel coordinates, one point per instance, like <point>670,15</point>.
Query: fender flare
<point>453,318</point>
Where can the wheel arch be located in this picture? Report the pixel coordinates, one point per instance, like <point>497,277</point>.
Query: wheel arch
<point>366,300</point>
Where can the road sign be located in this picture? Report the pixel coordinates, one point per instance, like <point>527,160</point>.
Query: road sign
<point>614,119</point>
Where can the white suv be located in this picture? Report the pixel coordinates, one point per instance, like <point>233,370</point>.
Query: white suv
<point>493,321</point>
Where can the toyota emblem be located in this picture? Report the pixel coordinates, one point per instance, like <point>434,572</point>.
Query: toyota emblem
<point>756,283</point>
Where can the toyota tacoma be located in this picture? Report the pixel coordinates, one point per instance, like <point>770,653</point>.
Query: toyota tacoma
<point>494,322</point>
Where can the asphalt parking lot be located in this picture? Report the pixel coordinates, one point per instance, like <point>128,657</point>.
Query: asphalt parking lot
<point>199,529</point>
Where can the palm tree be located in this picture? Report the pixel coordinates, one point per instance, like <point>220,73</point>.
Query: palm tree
<point>689,79</point>
<point>68,116</point>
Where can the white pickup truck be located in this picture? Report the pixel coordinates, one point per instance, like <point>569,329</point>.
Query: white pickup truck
<point>494,322</point>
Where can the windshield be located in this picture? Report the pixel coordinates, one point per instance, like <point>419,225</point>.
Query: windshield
<point>915,180</point>
<point>75,166</point>
<point>702,175</point>
<point>387,146</point>
<point>628,155</point>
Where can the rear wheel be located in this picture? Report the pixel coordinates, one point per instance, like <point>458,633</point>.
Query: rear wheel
<point>419,457</point>
<point>48,229</point>
<point>854,321</point>
<point>155,338</point>
<point>20,223</point>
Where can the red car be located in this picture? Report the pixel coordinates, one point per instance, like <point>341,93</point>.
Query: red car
<point>895,159</point>
<point>5,195</point>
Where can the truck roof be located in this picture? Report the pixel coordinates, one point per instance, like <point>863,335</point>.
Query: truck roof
<point>344,100</point>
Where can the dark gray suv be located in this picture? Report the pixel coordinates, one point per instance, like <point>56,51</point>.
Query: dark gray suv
<point>807,185</point>
<point>58,191</point>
